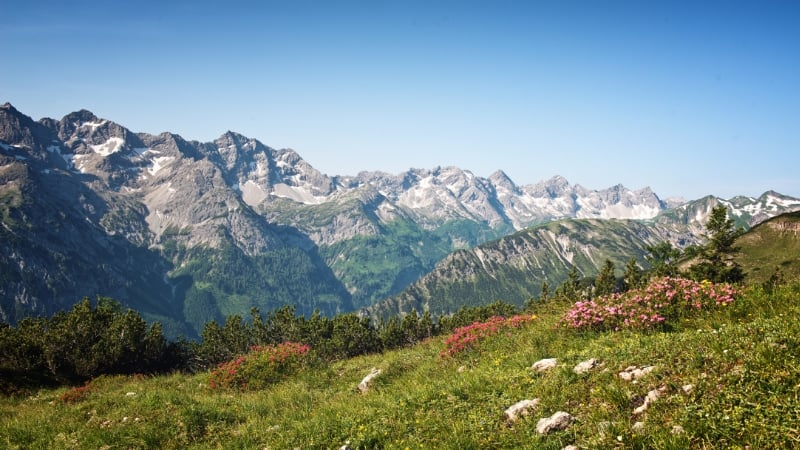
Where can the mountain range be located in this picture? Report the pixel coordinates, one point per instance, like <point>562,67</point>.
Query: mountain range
<point>186,231</point>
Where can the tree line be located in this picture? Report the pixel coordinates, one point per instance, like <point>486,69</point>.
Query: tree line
<point>100,338</point>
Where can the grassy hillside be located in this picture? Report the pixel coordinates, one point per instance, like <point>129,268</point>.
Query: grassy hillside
<point>741,362</point>
<point>772,244</point>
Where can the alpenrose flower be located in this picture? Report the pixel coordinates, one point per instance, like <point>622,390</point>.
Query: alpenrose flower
<point>467,337</point>
<point>664,299</point>
<point>262,366</point>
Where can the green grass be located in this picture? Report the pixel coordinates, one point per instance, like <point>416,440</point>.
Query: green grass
<point>742,362</point>
<point>771,245</point>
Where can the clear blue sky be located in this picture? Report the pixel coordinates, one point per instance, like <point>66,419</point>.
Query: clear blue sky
<point>689,98</point>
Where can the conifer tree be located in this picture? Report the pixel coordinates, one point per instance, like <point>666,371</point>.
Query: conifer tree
<point>571,288</point>
<point>545,293</point>
<point>606,281</point>
<point>633,276</point>
<point>663,259</point>
<point>716,256</point>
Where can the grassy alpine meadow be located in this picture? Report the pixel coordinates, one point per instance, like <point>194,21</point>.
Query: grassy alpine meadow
<point>727,376</point>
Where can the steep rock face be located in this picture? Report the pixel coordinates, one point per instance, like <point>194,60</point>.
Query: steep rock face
<point>61,241</point>
<point>258,171</point>
<point>19,130</point>
<point>344,216</point>
<point>179,189</point>
<point>91,208</point>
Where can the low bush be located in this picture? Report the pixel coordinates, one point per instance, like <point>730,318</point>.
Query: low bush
<point>467,337</point>
<point>262,366</point>
<point>75,394</point>
<point>662,301</point>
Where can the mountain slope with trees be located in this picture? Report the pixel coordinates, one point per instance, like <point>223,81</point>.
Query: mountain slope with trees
<point>186,232</point>
<point>515,268</point>
<point>531,264</point>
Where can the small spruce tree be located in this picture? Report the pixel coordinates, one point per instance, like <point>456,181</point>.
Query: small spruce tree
<point>633,276</point>
<point>571,288</point>
<point>606,281</point>
<point>716,256</point>
<point>545,293</point>
<point>663,259</point>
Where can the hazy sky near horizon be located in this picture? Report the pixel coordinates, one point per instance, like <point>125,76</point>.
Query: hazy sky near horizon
<point>689,98</point>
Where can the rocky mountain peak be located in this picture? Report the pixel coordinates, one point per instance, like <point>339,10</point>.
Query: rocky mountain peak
<point>19,129</point>
<point>174,207</point>
<point>234,150</point>
<point>500,178</point>
<point>80,117</point>
<point>553,187</point>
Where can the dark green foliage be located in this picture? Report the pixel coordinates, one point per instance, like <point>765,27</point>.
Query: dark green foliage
<point>342,336</point>
<point>544,295</point>
<point>416,328</point>
<point>391,333</point>
<point>691,251</point>
<point>86,342</point>
<point>379,266</point>
<point>353,335</point>
<point>633,277</point>
<point>663,259</point>
<point>717,262</point>
<point>227,282</point>
<point>606,281</point>
<point>221,343</point>
<point>571,288</point>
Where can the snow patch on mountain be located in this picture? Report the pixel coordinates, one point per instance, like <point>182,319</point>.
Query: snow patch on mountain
<point>79,162</point>
<point>256,173</point>
<point>93,125</point>
<point>619,211</point>
<point>159,163</point>
<point>112,145</point>
<point>252,194</point>
<point>299,194</point>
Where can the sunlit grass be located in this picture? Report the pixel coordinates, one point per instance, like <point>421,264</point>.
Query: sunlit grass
<point>742,363</point>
